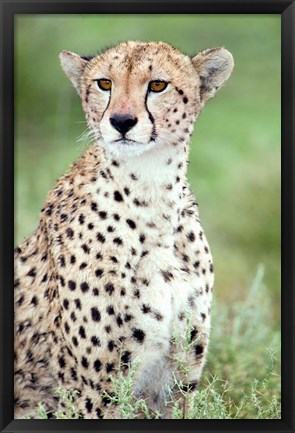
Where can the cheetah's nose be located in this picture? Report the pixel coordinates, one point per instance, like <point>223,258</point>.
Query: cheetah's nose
<point>123,123</point>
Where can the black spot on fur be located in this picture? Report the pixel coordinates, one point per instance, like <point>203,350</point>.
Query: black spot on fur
<point>95,314</point>
<point>94,206</point>
<point>72,285</point>
<point>158,316</point>
<point>126,357</point>
<point>98,272</point>
<point>32,272</point>
<point>191,236</point>
<point>193,334</point>
<point>97,365</point>
<point>61,361</point>
<point>98,413</point>
<point>100,238</point>
<point>131,224</point>
<point>85,248</point>
<point>70,233</point>
<point>119,320</point>
<point>78,303</point>
<point>84,362</point>
<point>84,287</point>
<point>88,405</point>
<point>75,341</point>
<point>118,196</point>
<point>20,300</point>
<point>138,334</point>
<point>34,300</point>
<point>111,346</point>
<point>109,288</point>
<point>103,215</point>
<point>74,374</point>
<point>199,349</point>
<point>95,341</point>
<point>167,275</point>
<point>82,332</point>
<point>109,367</point>
<point>48,210</point>
<point>63,217</point>
<point>145,308</point>
<point>73,259</point>
<point>110,310</point>
<point>106,400</point>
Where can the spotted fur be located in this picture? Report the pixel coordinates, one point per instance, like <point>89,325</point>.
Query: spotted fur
<point>119,259</point>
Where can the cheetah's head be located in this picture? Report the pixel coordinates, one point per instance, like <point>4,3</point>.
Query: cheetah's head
<point>138,96</point>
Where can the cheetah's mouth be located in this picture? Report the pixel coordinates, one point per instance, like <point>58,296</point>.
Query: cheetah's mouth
<point>124,140</point>
<point>125,147</point>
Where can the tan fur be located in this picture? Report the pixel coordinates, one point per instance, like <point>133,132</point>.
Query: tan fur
<point>119,258</point>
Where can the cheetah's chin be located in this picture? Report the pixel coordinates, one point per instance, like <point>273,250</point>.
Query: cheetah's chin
<point>128,149</point>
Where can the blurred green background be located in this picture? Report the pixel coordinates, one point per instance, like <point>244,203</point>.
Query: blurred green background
<point>235,152</point>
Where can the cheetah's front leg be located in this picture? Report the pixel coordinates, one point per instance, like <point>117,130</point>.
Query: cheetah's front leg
<point>190,339</point>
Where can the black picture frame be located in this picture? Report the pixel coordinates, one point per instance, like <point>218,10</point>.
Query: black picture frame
<point>8,10</point>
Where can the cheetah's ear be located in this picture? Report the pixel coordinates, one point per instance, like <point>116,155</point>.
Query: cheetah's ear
<point>73,66</point>
<point>214,67</point>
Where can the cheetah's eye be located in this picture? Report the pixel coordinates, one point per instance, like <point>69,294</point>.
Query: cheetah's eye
<point>157,86</point>
<point>104,84</point>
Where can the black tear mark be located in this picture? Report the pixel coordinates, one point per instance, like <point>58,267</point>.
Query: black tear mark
<point>151,118</point>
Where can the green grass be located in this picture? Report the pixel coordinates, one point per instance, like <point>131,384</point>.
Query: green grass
<point>245,351</point>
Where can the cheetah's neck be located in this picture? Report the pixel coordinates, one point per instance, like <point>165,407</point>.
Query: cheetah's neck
<point>164,168</point>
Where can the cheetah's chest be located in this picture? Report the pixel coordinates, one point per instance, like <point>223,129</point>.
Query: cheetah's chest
<point>117,258</point>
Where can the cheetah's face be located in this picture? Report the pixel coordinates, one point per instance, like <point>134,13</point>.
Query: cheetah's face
<point>138,96</point>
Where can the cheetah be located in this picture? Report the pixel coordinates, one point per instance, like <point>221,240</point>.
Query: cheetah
<point>119,259</point>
